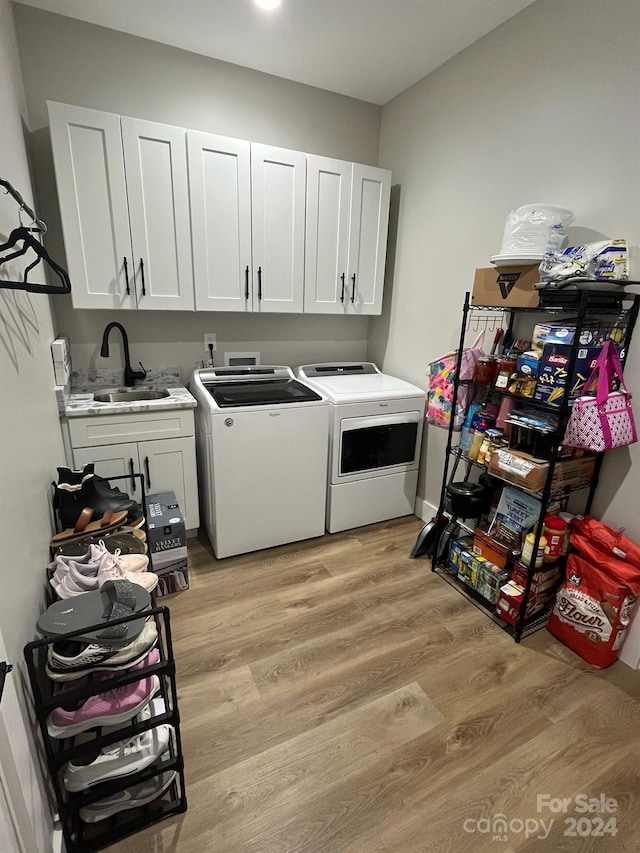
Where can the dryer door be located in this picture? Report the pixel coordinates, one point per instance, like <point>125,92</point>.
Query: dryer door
<point>377,445</point>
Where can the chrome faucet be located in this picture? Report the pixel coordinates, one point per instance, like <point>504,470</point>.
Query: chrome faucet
<point>130,375</point>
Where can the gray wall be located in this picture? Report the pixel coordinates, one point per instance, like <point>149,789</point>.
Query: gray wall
<point>31,449</point>
<point>78,63</point>
<point>545,108</point>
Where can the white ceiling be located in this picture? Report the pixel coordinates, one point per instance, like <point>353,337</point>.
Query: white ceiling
<point>368,49</point>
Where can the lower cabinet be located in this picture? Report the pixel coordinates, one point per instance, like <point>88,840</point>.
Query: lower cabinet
<point>167,464</point>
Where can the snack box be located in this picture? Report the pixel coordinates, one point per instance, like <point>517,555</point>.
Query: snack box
<point>523,471</point>
<point>528,363</point>
<point>554,369</point>
<point>489,580</point>
<point>553,333</point>
<point>510,599</point>
<point>542,580</point>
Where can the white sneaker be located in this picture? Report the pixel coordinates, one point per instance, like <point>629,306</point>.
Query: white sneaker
<point>70,660</point>
<point>120,759</point>
<point>112,569</point>
<point>73,579</point>
<point>129,562</point>
<point>130,798</point>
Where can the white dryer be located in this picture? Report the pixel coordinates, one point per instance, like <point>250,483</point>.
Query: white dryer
<point>261,439</point>
<point>374,447</point>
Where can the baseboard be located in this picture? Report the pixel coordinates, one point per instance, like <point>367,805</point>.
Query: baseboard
<point>424,509</point>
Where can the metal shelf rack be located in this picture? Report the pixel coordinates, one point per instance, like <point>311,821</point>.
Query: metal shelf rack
<point>586,310</point>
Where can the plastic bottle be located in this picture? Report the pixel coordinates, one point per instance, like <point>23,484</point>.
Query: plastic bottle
<point>527,551</point>
<point>467,430</point>
<point>476,441</point>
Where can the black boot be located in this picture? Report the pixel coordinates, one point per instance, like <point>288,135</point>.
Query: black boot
<point>77,490</point>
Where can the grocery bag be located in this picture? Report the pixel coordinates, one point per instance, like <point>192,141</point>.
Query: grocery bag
<point>442,376</point>
<point>606,420</point>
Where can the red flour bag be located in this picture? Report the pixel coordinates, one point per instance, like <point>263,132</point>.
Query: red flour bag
<point>608,548</point>
<point>593,610</point>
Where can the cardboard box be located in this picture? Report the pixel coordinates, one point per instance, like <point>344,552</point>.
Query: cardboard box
<point>542,580</point>
<point>523,471</point>
<point>506,286</point>
<point>487,547</point>
<point>166,535</point>
<point>510,601</point>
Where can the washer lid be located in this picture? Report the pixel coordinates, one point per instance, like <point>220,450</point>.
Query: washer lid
<point>353,386</point>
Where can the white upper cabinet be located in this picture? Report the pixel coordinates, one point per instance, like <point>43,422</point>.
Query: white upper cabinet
<point>346,236</point>
<point>155,157</point>
<point>220,189</point>
<point>278,187</point>
<point>327,235</point>
<point>369,223</point>
<point>92,192</point>
<point>160,217</point>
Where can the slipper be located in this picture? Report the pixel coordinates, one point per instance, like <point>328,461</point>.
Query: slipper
<point>110,521</point>
<point>94,610</point>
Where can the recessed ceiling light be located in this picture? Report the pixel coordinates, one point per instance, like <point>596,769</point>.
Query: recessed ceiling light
<point>267,5</point>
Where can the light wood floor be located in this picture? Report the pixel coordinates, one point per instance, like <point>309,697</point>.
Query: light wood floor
<point>338,697</point>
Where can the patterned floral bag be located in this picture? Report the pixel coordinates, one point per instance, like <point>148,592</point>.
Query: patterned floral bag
<point>442,374</point>
<point>606,420</point>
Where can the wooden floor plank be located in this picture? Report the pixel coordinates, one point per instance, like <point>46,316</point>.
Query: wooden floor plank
<point>337,697</point>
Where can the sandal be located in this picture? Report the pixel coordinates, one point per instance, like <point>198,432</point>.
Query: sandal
<point>84,527</point>
<point>95,610</point>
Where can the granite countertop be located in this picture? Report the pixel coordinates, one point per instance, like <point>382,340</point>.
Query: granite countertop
<point>76,399</point>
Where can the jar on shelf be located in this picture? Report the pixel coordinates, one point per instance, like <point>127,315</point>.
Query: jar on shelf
<point>494,438</point>
<point>527,550</point>
<point>566,517</point>
<point>506,366</point>
<point>485,370</point>
<point>554,531</point>
<point>477,440</point>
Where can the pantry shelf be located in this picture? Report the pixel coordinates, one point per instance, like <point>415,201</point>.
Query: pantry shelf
<point>539,477</point>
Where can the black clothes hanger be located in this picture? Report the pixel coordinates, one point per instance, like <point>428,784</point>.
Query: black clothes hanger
<point>29,242</point>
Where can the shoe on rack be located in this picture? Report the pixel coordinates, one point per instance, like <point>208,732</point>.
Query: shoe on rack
<point>101,678</point>
<point>79,490</point>
<point>71,659</point>
<point>130,798</point>
<point>74,578</point>
<point>114,706</point>
<point>111,568</point>
<point>120,759</point>
<point>129,562</point>
<point>129,542</point>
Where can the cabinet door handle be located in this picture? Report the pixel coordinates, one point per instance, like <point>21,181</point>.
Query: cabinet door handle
<point>126,276</point>
<point>259,282</point>
<point>132,472</point>
<point>246,282</point>
<point>146,468</point>
<point>342,294</point>
<point>353,288</point>
<point>144,289</point>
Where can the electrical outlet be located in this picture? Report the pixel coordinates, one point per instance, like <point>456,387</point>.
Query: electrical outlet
<point>210,338</point>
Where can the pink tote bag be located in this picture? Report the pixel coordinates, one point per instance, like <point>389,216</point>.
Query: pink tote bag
<point>442,376</point>
<point>605,421</point>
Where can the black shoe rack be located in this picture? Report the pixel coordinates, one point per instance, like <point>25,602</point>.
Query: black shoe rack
<point>81,837</point>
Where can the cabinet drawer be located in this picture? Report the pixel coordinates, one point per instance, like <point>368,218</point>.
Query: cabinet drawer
<point>119,429</point>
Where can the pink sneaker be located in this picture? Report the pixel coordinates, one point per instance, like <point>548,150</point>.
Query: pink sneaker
<point>106,709</point>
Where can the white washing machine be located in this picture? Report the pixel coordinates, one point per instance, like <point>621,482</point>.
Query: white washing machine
<point>262,449</point>
<point>375,434</point>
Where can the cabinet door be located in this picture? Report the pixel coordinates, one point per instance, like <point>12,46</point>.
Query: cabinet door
<point>170,465</point>
<point>278,178</point>
<point>327,235</point>
<point>87,155</point>
<point>220,190</point>
<point>113,460</point>
<point>370,192</point>
<point>155,157</point>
